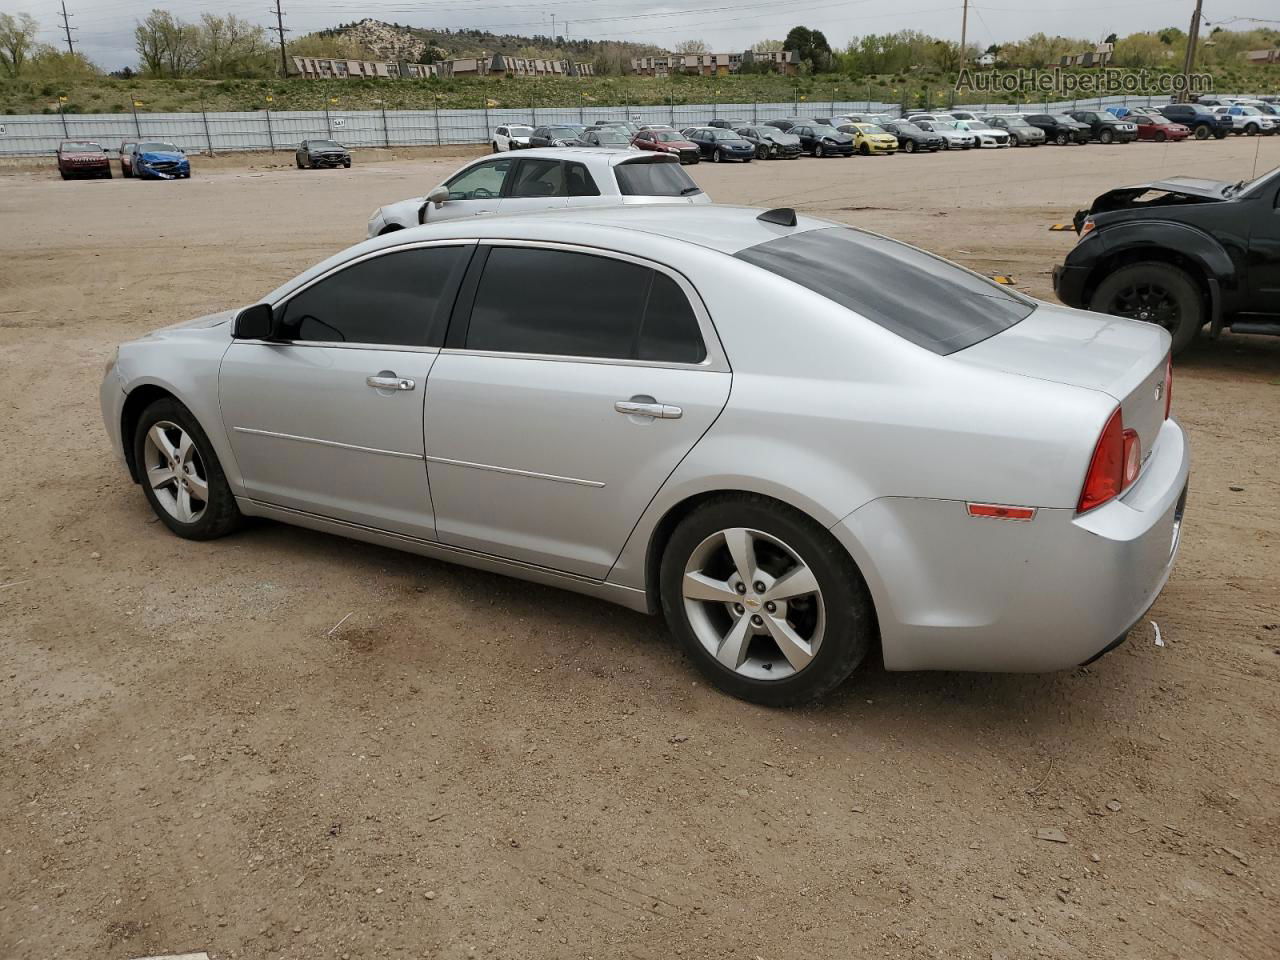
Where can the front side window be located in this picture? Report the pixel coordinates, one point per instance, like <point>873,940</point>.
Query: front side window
<point>395,300</point>
<point>481,182</point>
<point>929,301</point>
<point>586,306</point>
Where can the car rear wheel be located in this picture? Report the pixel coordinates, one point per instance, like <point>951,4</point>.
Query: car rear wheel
<point>180,473</point>
<point>1154,292</point>
<point>767,604</point>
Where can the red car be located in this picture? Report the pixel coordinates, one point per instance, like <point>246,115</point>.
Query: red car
<point>666,140</point>
<point>1153,126</point>
<point>83,158</point>
<point>127,149</point>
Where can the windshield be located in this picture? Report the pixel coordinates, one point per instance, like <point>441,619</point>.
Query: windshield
<point>565,131</point>
<point>319,145</point>
<point>871,128</point>
<point>640,179</point>
<point>157,147</point>
<point>907,126</point>
<point>611,136</point>
<point>1255,186</point>
<point>929,301</point>
<point>82,146</point>
<point>718,134</point>
<point>976,125</point>
<point>822,130</point>
<point>1250,111</point>
<point>1063,118</point>
<point>1015,122</point>
<point>520,131</point>
<point>668,136</point>
<point>946,125</point>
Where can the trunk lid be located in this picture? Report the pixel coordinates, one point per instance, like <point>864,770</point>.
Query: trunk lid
<point>1122,358</point>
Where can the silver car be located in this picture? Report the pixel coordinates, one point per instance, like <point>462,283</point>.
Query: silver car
<point>701,410</point>
<point>545,178</point>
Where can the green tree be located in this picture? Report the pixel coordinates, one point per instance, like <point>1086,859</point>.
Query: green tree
<point>811,46</point>
<point>17,37</point>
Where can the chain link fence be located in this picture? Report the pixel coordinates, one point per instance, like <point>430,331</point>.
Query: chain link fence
<point>39,135</point>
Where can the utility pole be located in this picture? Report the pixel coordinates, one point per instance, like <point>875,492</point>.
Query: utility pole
<point>964,31</point>
<point>66,26</point>
<point>1193,38</point>
<point>553,28</point>
<point>284,60</point>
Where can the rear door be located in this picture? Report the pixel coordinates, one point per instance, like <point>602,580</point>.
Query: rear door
<point>572,383</point>
<point>536,183</point>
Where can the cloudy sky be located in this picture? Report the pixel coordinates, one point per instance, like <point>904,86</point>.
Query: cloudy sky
<point>104,28</point>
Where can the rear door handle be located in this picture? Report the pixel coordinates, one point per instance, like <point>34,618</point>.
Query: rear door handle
<point>384,382</point>
<point>641,408</point>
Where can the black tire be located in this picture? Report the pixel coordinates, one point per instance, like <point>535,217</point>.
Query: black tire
<point>221,515</point>
<point>762,152</point>
<point>1220,135</point>
<point>909,147</point>
<point>850,616</point>
<point>717,157</point>
<point>495,148</point>
<point>1062,139</point>
<point>298,162</point>
<point>1201,131</point>
<point>1105,136</point>
<point>817,150</point>
<point>63,174</point>
<point>1161,136</point>
<point>865,150</point>
<point>1252,129</point>
<point>1155,292</point>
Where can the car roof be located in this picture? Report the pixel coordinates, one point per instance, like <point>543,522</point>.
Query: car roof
<point>727,229</point>
<point>588,155</point>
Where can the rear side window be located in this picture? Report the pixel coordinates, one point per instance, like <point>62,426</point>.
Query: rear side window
<point>538,178</point>
<point>929,301</point>
<point>648,179</point>
<point>395,299</point>
<point>580,181</point>
<point>584,306</point>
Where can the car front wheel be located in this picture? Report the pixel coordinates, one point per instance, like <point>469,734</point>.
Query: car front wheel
<point>1154,292</point>
<point>180,473</point>
<point>767,604</point>
<point>909,147</point>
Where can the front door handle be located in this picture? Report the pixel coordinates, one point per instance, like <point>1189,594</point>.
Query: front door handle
<point>647,407</point>
<point>390,382</point>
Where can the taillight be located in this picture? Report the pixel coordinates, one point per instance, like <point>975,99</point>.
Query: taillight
<point>1168,385</point>
<point>1115,464</point>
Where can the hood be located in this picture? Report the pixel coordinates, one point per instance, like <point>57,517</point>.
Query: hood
<point>198,323</point>
<point>781,136</point>
<point>162,156</point>
<point>1176,190</point>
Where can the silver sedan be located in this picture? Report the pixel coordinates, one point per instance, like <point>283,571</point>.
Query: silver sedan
<point>795,439</point>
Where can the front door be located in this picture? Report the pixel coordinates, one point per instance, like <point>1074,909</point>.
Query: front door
<point>475,191</point>
<point>569,389</point>
<point>328,417</point>
<point>1264,254</point>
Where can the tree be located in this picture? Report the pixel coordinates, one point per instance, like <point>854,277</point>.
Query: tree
<point>691,46</point>
<point>1111,38</point>
<point>166,46</point>
<point>768,46</point>
<point>17,37</point>
<point>231,46</point>
<point>811,46</point>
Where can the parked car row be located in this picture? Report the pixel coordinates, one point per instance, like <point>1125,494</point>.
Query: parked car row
<point>143,159</point>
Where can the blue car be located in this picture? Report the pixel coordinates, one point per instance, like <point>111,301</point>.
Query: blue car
<point>155,160</point>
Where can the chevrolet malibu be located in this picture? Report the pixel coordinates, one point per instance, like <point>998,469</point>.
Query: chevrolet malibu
<point>931,464</point>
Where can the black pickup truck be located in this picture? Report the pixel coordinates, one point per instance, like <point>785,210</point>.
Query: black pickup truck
<point>1182,253</point>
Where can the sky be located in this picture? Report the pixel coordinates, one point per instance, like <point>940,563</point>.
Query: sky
<point>103,29</point>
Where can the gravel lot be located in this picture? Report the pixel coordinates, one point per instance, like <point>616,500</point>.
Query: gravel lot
<point>193,758</point>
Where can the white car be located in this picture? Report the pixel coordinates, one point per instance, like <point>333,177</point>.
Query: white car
<point>953,137</point>
<point>987,135</point>
<point>1247,120</point>
<point>545,179</point>
<point>514,136</point>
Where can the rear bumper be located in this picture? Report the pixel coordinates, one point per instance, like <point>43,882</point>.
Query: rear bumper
<point>957,593</point>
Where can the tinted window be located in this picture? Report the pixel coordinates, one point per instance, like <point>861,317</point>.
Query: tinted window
<point>392,299</point>
<point>586,306</point>
<point>539,178</point>
<point>654,180</point>
<point>580,181</point>
<point>480,182</point>
<point>925,299</point>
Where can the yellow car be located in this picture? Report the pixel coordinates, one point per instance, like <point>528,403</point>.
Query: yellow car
<point>869,139</point>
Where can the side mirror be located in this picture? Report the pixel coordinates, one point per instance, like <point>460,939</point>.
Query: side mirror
<point>253,323</point>
<point>438,196</point>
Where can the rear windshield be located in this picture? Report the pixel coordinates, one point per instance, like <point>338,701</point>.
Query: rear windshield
<point>641,179</point>
<point>929,301</point>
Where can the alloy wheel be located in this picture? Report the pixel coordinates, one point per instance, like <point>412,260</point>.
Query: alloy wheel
<point>175,471</point>
<point>1148,302</point>
<point>753,604</point>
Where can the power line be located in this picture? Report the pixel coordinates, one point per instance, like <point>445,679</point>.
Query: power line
<point>66,27</point>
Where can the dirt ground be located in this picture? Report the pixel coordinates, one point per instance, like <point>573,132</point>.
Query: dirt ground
<point>193,756</point>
